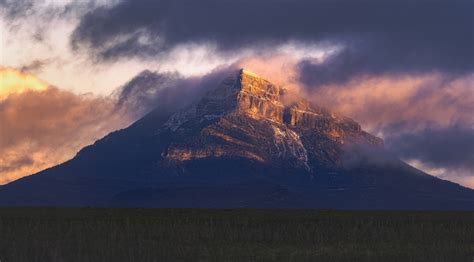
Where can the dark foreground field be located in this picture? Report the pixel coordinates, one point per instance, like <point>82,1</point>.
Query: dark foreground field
<point>47,234</point>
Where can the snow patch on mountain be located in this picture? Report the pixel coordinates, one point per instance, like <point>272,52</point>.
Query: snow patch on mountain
<point>288,144</point>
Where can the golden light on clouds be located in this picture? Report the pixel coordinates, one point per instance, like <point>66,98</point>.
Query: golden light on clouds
<point>414,101</point>
<point>15,82</point>
<point>42,126</point>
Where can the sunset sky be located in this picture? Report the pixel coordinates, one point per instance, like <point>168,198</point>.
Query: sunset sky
<point>403,69</point>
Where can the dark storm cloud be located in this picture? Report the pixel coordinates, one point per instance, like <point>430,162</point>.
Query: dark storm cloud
<point>148,89</point>
<point>378,56</point>
<point>451,148</point>
<point>380,36</point>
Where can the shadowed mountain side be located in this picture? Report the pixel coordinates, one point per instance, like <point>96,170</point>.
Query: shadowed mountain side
<point>239,146</point>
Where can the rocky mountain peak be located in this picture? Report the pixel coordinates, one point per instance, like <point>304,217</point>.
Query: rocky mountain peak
<point>258,98</point>
<point>245,117</point>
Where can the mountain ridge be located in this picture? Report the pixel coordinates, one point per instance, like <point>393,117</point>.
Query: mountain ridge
<point>239,145</point>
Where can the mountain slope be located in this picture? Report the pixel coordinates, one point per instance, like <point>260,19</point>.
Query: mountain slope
<point>240,145</point>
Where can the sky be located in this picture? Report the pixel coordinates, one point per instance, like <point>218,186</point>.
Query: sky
<point>72,71</point>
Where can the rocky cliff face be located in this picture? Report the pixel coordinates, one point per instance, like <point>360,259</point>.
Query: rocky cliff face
<point>245,117</point>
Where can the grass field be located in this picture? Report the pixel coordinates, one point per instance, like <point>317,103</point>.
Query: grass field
<point>89,234</point>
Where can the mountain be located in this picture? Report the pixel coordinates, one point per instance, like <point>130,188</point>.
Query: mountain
<point>242,144</point>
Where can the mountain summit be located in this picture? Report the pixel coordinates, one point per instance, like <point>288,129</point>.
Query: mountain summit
<point>245,117</point>
<point>240,145</point>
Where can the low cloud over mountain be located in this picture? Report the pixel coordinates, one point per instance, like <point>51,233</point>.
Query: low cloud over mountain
<point>42,127</point>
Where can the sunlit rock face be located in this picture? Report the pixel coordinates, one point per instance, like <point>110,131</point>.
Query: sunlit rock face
<point>244,117</point>
<point>244,93</point>
<point>259,98</point>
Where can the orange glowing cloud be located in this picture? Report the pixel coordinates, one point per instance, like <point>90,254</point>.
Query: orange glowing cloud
<point>41,126</point>
<point>414,101</point>
<point>16,82</point>
<point>412,109</point>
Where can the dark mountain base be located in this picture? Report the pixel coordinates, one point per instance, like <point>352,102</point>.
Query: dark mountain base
<point>242,184</point>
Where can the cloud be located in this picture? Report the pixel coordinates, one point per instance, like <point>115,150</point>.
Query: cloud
<point>35,38</point>
<point>44,127</point>
<point>378,36</point>
<point>46,9</point>
<point>451,148</point>
<point>387,56</point>
<point>34,66</point>
<point>461,176</point>
<point>424,119</point>
<point>143,92</point>
<point>388,104</point>
<point>172,91</point>
<point>14,82</point>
